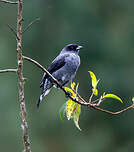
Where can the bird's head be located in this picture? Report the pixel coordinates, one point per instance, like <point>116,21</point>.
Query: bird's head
<point>72,48</point>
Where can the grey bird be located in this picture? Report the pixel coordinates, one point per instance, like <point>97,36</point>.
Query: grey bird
<point>63,68</point>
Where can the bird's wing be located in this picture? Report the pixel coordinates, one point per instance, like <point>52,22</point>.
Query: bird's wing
<point>58,63</point>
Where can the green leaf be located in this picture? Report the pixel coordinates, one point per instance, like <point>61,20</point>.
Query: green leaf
<point>69,90</point>
<point>62,111</point>
<point>94,80</point>
<point>95,91</point>
<point>73,85</point>
<point>76,115</point>
<point>73,111</point>
<point>70,108</point>
<point>112,96</point>
<point>76,89</point>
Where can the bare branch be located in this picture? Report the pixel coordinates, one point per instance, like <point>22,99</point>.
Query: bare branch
<point>29,25</point>
<point>90,99</point>
<point>23,113</point>
<point>82,101</point>
<point>42,68</point>
<point>55,81</point>
<point>13,31</point>
<point>79,96</point>
<point>8,70</point>
<point>9,2</point>
<point>113,113</point>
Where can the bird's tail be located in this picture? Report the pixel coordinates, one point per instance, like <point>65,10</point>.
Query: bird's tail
<point>45,90</point>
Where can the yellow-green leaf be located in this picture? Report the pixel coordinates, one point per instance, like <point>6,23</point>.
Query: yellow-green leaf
<point>95,91</point>
<point>112,96</point>
<point>62,111</point>
<point>73,109</point>
<point>73,85</point>
<point>70,108</point>
<point>133,102</point>
<point>76,120</point>
<point>76,89</point>
<point>70,90</point>
<point>76,115</point>
<point>94,80</point>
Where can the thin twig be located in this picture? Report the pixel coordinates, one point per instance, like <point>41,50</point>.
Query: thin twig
<point>79,96</point>
<point>82,102</point>
<point>42,68</point>
<point>113,113</point>
<point>8,70</point>
<point>9,2</point>
<point>23,113</point>
<point>90,99</point>
<point>29,25</point>
<point>13,31</point>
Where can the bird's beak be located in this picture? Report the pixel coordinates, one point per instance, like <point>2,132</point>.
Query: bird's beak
<point>79,47</point>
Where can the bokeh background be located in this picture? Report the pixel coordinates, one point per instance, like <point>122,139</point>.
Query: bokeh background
<point>106,30</point>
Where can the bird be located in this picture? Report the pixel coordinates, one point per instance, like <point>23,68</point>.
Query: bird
<point>63,68</point>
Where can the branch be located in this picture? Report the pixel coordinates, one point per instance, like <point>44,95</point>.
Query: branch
<point>82,101</point>
<point>55,81</point>
<point>114,113</point>
<point>13,31</point>
<point>9,2</point>
<point>29,25</point>
<point>23,113</point>
<point>8,70</point>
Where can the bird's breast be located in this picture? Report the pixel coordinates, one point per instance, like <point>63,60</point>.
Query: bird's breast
<point>73,62</point>
<point>68,71</point>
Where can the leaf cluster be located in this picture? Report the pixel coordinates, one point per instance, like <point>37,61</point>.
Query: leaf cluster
<point>72,109</point>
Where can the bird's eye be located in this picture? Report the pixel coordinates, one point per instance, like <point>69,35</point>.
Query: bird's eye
<point>71,47</point>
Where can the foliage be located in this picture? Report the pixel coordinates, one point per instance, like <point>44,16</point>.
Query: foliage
<point>72,109</point>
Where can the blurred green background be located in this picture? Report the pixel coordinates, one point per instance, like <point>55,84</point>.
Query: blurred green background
<point>106,30</point>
